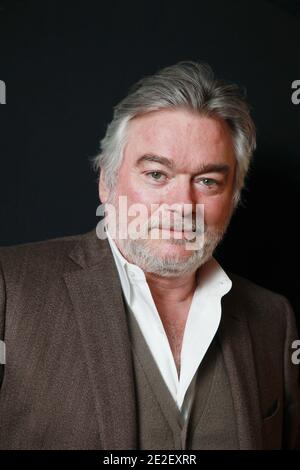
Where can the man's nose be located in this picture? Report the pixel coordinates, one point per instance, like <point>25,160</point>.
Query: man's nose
<point>182,193</point>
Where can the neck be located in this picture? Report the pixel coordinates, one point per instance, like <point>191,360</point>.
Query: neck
<point>170,289</point>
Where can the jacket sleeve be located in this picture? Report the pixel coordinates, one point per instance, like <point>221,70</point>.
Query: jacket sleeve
<point>291,436</point>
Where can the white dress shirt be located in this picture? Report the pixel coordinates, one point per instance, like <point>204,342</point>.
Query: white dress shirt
<point>201,325</point>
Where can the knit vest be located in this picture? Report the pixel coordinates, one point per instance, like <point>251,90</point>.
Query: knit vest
<point>210,423</point>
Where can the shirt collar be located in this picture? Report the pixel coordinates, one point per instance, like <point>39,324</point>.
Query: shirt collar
<point>210,277</point>
<point>129,273</point>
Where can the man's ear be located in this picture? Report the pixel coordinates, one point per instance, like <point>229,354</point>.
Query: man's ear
<point>103,190</point>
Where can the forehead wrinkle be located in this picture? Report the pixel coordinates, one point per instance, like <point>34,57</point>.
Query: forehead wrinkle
<point>153,140</point>
<point>154,134</point>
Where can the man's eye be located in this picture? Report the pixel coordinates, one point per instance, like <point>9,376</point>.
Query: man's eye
<point>156,175</point>
<point>208,181</point>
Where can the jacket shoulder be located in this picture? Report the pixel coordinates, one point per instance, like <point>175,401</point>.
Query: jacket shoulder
<point>264,307</point>
<point>50,255</point>
<point>253,292</point>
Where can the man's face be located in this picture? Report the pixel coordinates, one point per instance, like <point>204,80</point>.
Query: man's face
<point>177,157</point>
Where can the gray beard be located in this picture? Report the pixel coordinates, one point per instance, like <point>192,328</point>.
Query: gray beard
<point>141,253</point>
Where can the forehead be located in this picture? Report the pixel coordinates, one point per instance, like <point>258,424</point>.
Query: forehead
<point>180,135</point>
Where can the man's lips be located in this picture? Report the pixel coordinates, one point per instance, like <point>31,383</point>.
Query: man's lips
<point>171,229</point>
<point>173,232</point>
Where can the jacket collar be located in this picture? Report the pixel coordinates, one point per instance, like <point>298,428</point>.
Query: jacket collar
<point>235,339</point>
<point>97,300</point>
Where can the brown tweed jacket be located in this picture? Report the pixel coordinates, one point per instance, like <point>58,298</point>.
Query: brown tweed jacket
<point>68,378</point>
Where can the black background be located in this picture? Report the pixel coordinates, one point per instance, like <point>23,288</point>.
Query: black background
<point>66,64</point>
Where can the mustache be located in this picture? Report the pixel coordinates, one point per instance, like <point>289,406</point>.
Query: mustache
<point>178,224</point>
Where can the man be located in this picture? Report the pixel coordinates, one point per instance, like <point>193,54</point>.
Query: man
<point>133,336</point>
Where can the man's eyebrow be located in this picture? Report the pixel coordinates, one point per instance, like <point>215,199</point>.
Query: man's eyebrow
<point>157,159</point>
<point>203,168</point>
<point>213,168</point>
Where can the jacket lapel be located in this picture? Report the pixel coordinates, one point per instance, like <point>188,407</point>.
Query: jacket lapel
<point>96,296</point>
<point>238,355</point>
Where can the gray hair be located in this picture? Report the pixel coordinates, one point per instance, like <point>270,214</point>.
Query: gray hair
<point>187,85</point>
